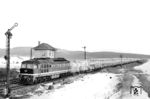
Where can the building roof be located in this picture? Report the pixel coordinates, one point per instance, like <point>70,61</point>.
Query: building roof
<point>44,46</point>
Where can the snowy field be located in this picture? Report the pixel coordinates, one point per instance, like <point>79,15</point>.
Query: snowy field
<point>136,79</point>
<point>15,61</point>
<point>96,86</point>
<point>145,68</point>
<point>101,86</point>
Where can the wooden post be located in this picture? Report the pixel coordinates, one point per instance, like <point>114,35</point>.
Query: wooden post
<point>7,57</point>
<point>8,36</point>
<point>84,52</point>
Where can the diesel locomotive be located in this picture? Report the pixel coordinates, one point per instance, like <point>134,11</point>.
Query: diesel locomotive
<point>38,70</point>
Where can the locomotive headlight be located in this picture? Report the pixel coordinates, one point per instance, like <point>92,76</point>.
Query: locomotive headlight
<point>25,71</point>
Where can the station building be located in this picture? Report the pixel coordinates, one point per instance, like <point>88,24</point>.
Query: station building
<point>44,50</point>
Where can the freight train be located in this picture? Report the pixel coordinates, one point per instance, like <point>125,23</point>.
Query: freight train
<point>38,70</point>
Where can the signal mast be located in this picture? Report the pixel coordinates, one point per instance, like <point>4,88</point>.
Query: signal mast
<point>84,47</point>
<point>7,57</point>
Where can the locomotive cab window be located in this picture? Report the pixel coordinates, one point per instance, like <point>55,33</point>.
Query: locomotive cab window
<point>31,66</point>
<point>23,66</point>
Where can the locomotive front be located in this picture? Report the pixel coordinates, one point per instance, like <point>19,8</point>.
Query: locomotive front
<point>27,71</point>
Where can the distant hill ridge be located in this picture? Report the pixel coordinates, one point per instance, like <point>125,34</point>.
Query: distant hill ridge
<point>25,51</point>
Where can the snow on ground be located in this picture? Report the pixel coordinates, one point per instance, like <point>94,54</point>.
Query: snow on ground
<point>144,67</point>
<point>142,95</point>
<point>15,61</point>
<point>127,95</point>
<point>95,86</point>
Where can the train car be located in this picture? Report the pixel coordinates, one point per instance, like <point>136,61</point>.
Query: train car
<point>42,69</point>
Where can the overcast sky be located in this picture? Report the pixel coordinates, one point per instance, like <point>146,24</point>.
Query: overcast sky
<point>101,25</point>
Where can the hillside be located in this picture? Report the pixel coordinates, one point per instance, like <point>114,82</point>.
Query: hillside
<point>80,55</point>
<point>25,51</point>
<point>17,51</point>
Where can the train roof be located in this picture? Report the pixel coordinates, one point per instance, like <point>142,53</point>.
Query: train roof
<point>45,60</point>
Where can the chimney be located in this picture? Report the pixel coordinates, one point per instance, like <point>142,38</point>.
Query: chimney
<point>39,42</point>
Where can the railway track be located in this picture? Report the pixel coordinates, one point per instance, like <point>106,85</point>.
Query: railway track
<point>15,85</point>
<point>12,81</point>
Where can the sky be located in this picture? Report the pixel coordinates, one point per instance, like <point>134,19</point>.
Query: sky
<point>100,25</point>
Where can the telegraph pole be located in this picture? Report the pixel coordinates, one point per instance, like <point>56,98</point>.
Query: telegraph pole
<point>7,57</point>
<point>121,56</point>
<point>84,52</point>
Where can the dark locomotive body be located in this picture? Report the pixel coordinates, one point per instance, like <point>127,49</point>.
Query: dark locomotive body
<point>38,70</point>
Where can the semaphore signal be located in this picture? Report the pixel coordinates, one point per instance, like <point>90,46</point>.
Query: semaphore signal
<point>7,57</point>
